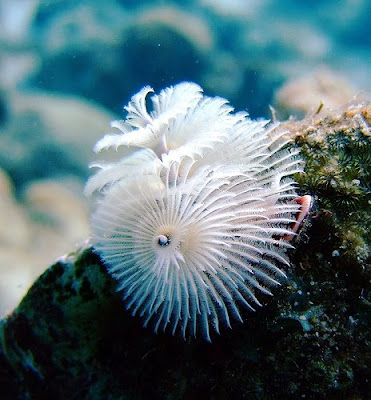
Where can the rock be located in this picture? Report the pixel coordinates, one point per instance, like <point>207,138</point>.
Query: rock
<point>16,230</point>
<point>336,146</point>
<point>49,220</point>
<point>160,50</point>
<point>303,95</point>
<point>80,47</point>
<point>51,135</point>
<point>62,209</point>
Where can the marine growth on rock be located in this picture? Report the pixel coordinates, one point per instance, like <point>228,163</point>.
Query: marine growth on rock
<point>191,219</point>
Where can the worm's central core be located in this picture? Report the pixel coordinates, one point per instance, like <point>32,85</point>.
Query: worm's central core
<point>164,240</point>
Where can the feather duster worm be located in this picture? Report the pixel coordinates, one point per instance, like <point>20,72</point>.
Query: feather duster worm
<point>191,218</point>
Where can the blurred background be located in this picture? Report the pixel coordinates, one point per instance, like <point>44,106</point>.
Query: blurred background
<point>67,69</point>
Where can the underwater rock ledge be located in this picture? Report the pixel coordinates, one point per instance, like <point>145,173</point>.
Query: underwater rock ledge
<point>70,337</point>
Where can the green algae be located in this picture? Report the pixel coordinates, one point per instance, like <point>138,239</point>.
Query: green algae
<point>337,153</point>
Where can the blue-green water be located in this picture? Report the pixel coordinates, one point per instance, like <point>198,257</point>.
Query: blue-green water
<point>103,52</point>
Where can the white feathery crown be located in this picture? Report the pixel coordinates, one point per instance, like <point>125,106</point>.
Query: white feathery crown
<point>191,219</point>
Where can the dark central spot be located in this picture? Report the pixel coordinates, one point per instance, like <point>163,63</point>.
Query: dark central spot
<point>164,240</point>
